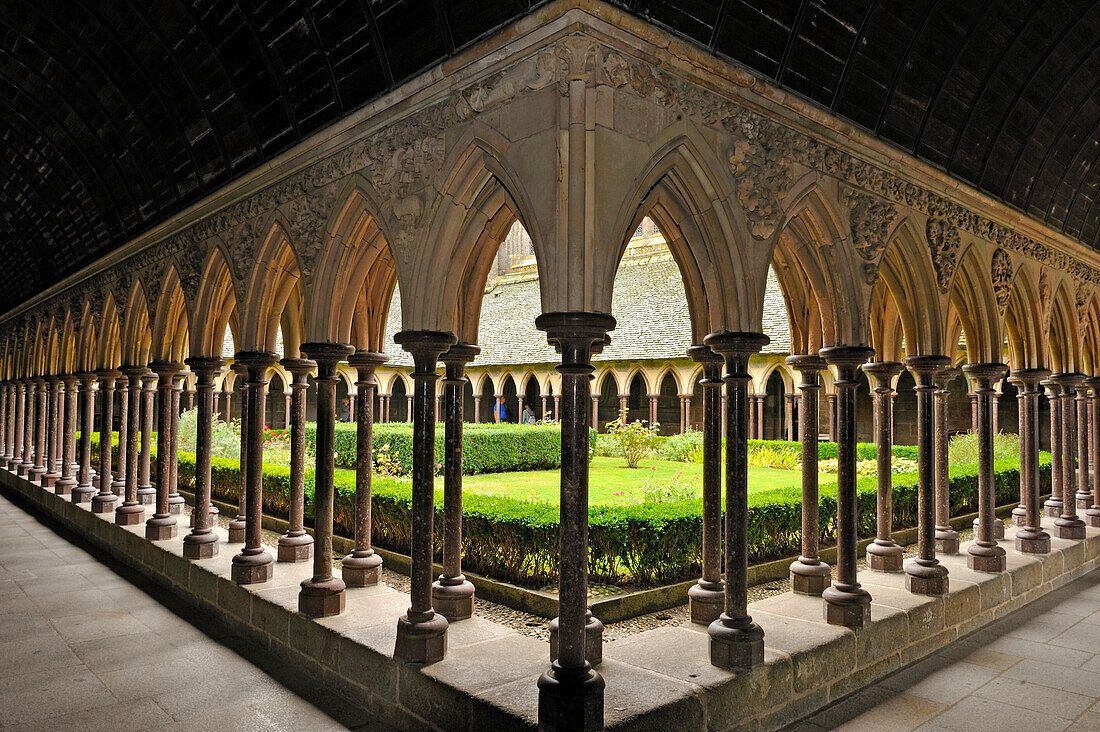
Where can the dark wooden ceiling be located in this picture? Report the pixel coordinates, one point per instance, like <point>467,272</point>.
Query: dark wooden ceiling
<point>115,114</point>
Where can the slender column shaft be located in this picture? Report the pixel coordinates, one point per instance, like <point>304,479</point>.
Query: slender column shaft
<point>809,575</point>
<point>105,500</point>
<point>736,641</point>
<point>5,429</point>
<point>84,490</point>
<point>925,575</point>
<point>9,421</point>
<point>1030,537</point>
<point>53,419</point>
<point>17,422</point>
<point>202,542</point>
<point>362,567</point>
<point>147,494</point>
<point>253,564</point>
<point>706,597</point>
<point>947,539</point>
<point>452,594</point>
<point>175,500</point>
<point>131,511</point>
<point>1069,525</point>
<point>162,524</point>
<point>884,554</point>
<point>118,485</point>
<point>296,545</point>
<point>1053,505</point>
<point>27,465</point>
<point>237,525</point>
<point>985,555</point>
<point>323,594</point>
<point>67,482</point>
<point>422,633</point>
<point>40,418</point>
<point>1084,493</point>
<point>1092,513</point>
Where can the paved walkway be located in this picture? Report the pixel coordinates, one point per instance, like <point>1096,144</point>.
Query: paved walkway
<point>85,648</point>
<point>1038,669</point>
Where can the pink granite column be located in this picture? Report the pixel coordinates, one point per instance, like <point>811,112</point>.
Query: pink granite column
<point>25,467</point>
<point>296,545</point>
<point>84,490</point>
<point>1068,525</point>
<point>706,598</point>
<point>1084,492</point>
<point>202,541</point>
<point>147,494</point>
<point>653,408</point>
<point>884,554</point>
<point>1030,537</point>
<point>104,501</point>
<point>175,500</point>
<point>947,539</point>
<point>1092,513</point>
<point>422,632</point>
<point>253,564</point>
<point>131,511</point>
<point>237,525</point>
<point>53,465</point>
<point>809,575</point>
<point>162,524</point>
<point>984,554</point>
<point>1052,508</point>
<point>41,405</point>
<point>67,482</point>
<point>118,485</point>
<point>5,431</point>
<point>363,567</point>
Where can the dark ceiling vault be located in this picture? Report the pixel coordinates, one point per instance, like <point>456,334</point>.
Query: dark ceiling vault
<point>115,114</point>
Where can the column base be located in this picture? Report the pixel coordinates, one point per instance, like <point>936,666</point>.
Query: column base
<point>947,541</point>
<point>593,640</point>
<point>160,528</point>
<point>982,558</point>
<point>64,487</point>
<point>1019,515</point>
<point>423,642</point>
<point>236,531</point>
<point>200,546</point>
<point>147,495</point>
<point>297,549</point>
<point>924,578</point>
<point>810,576</point>
<point>570,700</point>
<point>104,503</point>
<point>82,494</point>
<point>884,556</point>
<point>23,469</point>
<point>998,528</point>
<point>129,514</point>
<point>175,504</point>
<point>321,599</point>
<point>847,605</point>
<point>365,570</point>
<point>35,474</point>
<point>1052,508</point>
<point>49,480</point>
<point>1069,528</point>
<point>1033,541</point>
<point>1084,502</point>
<point>252,569</point>
<point>706,601</point>
<point>212,513</point>
<point>735,647</point>
<point>1092,516</point>
<point>452,601</point>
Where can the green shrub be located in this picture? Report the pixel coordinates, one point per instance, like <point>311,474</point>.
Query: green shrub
<point>637,440</point>
<point>682,448</point>
<point>962,449</point>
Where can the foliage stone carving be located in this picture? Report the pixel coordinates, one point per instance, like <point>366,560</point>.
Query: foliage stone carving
<point>762,179</point>
<point>943,238</point>
<point>1001,274</point>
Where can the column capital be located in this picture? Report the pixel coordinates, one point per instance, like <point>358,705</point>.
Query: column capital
<point>576,335</point>
<point>425,347</point>
<point>52,379</point>
<point>67,379</point>
<point>985,374</point>
<point>1093,382</point>
<point>327,355</point>
<point>104,374</point>
<point>924,368</point>
<point>132,371</point>
<point>205,365</point>
<point>1068,381</point>
<point>1029,379</point>
<point>736,343</point>
<point>455,359</point>
<point>846,359</point>
<point>299,368</point>
<point>255,359</point>
<point>883,373</point>
<point>807,363</point>
<point>712,364</point>
<point>166,370</point>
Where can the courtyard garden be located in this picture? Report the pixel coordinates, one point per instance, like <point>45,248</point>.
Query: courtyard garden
<point>645,521</point>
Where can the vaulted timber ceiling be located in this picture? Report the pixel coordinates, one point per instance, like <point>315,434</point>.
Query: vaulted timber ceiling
<point>115,114</point>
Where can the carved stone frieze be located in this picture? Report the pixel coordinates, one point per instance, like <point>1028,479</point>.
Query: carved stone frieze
<point>944,242</point>
<point>1001,273</point>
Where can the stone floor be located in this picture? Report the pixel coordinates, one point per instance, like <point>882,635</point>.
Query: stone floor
<point>85,647</point>
<point>1037,669</point>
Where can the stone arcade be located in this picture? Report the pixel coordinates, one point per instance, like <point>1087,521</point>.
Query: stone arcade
<point>579,120</point>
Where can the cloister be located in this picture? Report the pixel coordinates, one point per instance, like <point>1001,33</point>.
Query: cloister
<point>579,120</point>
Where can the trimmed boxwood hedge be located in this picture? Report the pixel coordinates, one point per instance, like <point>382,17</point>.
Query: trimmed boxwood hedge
<point>516,540</point>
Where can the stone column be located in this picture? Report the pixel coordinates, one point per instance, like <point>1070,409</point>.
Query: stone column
<point>477,408</point>
<point>947,539</point>
<point>17,426</point>
<point>752,415</point>
<point>131,511</point>
<point>118,485</point>
<point>42,403</point>
<point>760,421</point>
<point>557,409</point>
<point>1030,537</point>
<point>452,593</point>
<point>846,603</point>
<point>1068,525</point>
<point>59,425</point>
<point>996,396</point>
<point>422,632</point>
<point>596,411</point>
<point>1092,513</point>
<point>809,575</point>
<point>984,554</point>
<point>162,524</point>
<point>27,465</point>
<point>104,501</point>
<point>706,598</point>
<point>1084,493</point>
<point>571,691</point>
<point>296,545</point>
<point>973,407</point>
<point>287,406</point>
<point>884,554</point>
<point>253,564</point>
<point>84,490</point>
<point>788,415</point>
<point>201,542</point>
<point>1053,505</point>
<point>190,399</point>
<point>217,404</point>
<point>237,526</point>
<point>175,500</point>
<point>735,640</point>
<point>519,406</point>
<point>363,567</point>
<point>67,482</point>
<point>5,404</point>
<point>8,416</point>
<point>653,408</point>
<point>925,575</point>
<point>322,594</point>
<point>409,407</point>
<point>830,402</point>
<point>147,494</point>
<point>53,392</point>
<point>545,402</point>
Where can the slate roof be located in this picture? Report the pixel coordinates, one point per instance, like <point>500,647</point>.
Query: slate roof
<point>648,302</point>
